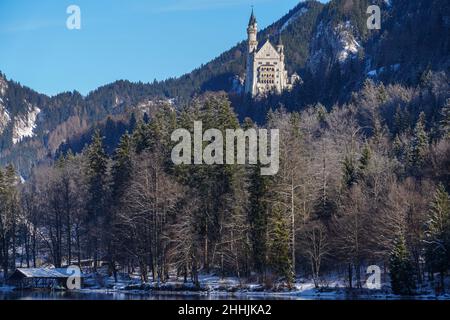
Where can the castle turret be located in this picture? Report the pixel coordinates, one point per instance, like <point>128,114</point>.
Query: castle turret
<point>280,46</point>
<point>252,32</point>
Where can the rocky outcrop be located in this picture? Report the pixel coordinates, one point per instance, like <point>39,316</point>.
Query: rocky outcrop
<point>332,44</point>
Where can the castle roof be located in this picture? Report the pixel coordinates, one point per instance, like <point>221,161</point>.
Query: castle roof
<point>267,49</point>
<point>280,41</point>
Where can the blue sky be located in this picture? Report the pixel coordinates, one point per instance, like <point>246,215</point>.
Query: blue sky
<point>138,40</point>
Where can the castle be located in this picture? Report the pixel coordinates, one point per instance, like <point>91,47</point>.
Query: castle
<point>266,70</point>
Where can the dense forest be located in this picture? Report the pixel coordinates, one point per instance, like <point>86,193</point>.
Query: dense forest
<point>413,39</point>
<point>363,183</point>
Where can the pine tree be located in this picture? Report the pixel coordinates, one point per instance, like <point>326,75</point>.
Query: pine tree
<point>97,180</point>
<point>401,269</point>
<point>146,118</point>
<point>279,253</point>
<point>141,137</point>
<point>349,172</point>
<point>121,175</point>
<point>437,240</point>
<point>132,123</point>
<point>9,205</point>
<point>258,220</point>
<point>364,160</point>
<point>401,120</point>
<point>398,148</point>
<point>122,167</point>
<point>419,146</point>
<point>445,122</point>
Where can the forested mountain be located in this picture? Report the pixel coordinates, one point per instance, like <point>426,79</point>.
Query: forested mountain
<point>328,45</point>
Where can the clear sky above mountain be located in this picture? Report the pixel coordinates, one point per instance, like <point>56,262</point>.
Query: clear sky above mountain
<point>134,40</point>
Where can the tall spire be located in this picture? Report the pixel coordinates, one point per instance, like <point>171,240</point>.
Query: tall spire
<point>252,19</point>
<point>280,41</point>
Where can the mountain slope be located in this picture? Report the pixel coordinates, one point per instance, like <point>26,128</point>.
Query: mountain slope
<point>33,126</point>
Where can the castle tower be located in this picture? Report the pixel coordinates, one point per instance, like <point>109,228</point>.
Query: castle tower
<point>280,47</point>
<point>252,32</point>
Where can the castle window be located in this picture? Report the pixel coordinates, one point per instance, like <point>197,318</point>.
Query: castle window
<point>266,74</point>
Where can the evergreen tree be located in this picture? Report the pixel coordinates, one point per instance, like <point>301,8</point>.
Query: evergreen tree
<point>97,186</point>
<point>121,168</point>
<point>445,122</point>
<point>258,220</point>
<point>401,121</point>
<point>398,148</point>
<point>9,205</point>
<point>132,123</point>
<point>146,118</point>
<point>419,146</point>
<point>364,160</point>
<point>141,137</point>
<point>401,269</point>
<point>279,253</point>
<point>437,239</point>
<point>349,172</point>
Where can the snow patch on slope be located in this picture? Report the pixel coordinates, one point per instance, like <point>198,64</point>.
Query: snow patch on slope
<point>4,117</point>
<point>4,114</point>
<point>3,86</point>
<point>376,72</point>
<point>24,125</point>
<point>347,45</point>
<point>332,44</point>
<point>294,17</point>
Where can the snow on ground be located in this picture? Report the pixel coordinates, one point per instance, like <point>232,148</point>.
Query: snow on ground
<point>376,72</point>
<point>25,124</point>
<point>332,288</point>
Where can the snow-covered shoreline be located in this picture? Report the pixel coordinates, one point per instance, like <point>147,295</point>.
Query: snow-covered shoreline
<point>267,295</point>
<point>215,287</point>
<point>226,288</point>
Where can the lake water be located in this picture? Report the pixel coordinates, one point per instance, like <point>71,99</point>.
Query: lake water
<point>159,295</point>
<point>98,295</point>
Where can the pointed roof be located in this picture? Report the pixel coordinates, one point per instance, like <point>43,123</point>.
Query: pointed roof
<point>252,20</point>
<point>53,273</point>
<point>267,48</point>
<point>280,41</point>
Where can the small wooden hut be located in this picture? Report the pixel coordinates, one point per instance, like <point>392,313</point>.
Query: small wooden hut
<point>28,278</point>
